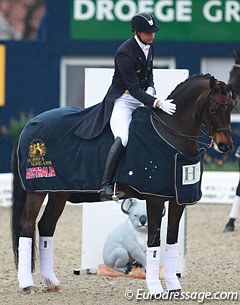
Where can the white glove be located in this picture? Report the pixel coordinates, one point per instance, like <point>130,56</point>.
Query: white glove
<point>150,91</point>
<point>167,106</point>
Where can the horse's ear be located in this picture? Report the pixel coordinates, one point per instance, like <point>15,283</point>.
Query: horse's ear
<point>127,204</point>
<point>230,89</point>
<point>236,54</point>
<point>212,82</point>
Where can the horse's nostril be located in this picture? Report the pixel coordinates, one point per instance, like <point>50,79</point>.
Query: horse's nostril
<point>224,147</point>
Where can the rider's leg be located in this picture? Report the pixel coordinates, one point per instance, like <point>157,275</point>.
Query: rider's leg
<point>110,167</point>
<point>119,122</point>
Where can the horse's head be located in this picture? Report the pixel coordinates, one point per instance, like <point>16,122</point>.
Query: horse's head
<point>216,114</point>
<point>234,79</point>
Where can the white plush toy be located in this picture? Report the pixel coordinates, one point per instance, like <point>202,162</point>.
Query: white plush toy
<point>126,244</point>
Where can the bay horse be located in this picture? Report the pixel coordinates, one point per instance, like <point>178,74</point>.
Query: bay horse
<point>234,80</point>
<point>201,100</point>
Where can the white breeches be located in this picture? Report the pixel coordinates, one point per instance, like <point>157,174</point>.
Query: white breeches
<point>122,115</point>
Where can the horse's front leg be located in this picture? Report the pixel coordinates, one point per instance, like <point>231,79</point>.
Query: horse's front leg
<point>175,212</point>
<point>47,224</point>
<point>26,241</point>
<point>155,207</point>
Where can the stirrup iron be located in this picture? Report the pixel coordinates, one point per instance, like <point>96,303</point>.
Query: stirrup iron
<point>114,196</point>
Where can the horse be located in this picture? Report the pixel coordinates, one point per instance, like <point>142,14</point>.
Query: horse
<point>234,80</point>
<point>201,100</point>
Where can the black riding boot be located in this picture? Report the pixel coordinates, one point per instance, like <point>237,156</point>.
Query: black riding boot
<point>110,167</point>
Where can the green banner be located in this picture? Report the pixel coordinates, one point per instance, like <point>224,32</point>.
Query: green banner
<point>179,20</point>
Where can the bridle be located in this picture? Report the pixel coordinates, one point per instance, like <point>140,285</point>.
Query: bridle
<point>210,129</point>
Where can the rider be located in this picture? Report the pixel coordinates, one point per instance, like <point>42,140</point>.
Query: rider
<point>236,203</point>
<point>132,86</point>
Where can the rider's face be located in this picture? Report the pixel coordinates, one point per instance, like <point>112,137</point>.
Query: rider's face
<point>146,37</point>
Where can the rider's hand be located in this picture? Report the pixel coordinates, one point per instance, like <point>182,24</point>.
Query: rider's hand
<point>167,106</point>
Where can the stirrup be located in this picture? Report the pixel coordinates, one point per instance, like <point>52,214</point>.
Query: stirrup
<point>114,194</point>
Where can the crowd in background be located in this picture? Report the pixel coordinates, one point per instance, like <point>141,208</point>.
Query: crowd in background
<point>20,19</point>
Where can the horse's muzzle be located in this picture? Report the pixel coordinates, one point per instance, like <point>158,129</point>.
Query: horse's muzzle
<point>222,142</point>
<point>224,147</point>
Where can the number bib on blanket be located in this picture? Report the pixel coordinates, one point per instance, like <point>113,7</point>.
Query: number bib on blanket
<point>188,177</point>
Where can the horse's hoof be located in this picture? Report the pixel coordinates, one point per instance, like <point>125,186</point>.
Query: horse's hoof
<point>53,288</point>
<point>27,290</point>
<point>228,228</point>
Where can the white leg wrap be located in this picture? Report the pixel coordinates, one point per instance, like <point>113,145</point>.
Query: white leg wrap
<point>235,208</point>
<point>25,262</point>
<point>46,262</point>
<point>170,267</point>
<point>152,270</point>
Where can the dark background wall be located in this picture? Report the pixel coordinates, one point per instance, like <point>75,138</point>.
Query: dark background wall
<point>33,66</point>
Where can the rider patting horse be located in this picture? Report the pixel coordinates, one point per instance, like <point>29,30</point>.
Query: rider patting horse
<point>200,100</point>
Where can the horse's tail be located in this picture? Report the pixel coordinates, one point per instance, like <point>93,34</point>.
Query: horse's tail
<point>18,206</point>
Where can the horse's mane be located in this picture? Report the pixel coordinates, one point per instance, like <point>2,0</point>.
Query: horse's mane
<point>185,84</point>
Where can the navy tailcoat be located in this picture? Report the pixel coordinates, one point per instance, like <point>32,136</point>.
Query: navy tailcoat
<point>133,72</point>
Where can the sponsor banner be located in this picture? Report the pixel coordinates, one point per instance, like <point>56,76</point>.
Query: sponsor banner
<point>179,20</point>
<point>2,74</point>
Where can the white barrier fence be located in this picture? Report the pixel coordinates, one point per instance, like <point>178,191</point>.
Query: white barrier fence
<point>5,189</point>
<point>219,187</point>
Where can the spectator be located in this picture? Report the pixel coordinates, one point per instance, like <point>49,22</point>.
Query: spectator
<point>7,30</point>
<point>33,20</point>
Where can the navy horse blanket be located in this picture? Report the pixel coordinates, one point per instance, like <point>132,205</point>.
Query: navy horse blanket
<point>51,158</point>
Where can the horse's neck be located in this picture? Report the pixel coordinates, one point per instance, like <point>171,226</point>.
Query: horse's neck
<point>186,125</point>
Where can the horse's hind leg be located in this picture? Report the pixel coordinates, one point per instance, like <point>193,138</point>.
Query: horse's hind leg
<point>26,241</point>
<point>175,212</point>
<point>46,226</point>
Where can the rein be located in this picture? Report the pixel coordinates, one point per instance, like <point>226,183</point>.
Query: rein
<point>177,133</point>
<point>210,129</point>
